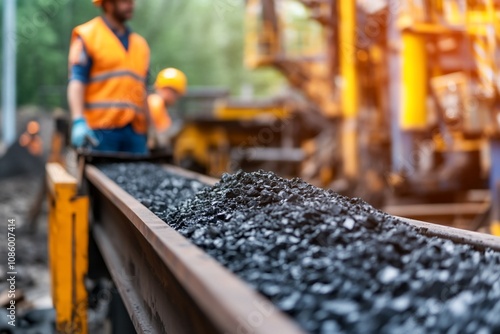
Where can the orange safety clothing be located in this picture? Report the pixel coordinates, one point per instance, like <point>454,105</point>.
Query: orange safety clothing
<point>116,92</point>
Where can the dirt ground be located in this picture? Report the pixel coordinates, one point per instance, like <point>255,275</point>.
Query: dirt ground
<point>16,196</point>
<point>18,191</point>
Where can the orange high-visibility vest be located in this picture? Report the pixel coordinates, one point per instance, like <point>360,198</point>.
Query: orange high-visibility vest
<point>159,113</point>
<point>116,91</point>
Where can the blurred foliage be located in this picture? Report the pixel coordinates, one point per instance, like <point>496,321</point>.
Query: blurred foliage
<point>204,38</point>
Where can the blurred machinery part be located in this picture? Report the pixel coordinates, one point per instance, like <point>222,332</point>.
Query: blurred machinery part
<point>409,86</point>
<point>220,134</point>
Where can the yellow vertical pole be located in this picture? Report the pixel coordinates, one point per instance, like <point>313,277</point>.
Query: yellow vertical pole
<point>68,250</point>
<point>495,228</point>
<point>414,82</point>
<point>349,74</point>
<point>487,77</point>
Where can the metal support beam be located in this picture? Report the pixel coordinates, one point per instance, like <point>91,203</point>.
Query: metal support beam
<point>9,72</point>
<point>394,98</point>
<point>494,185</point>
<point>350,94</point>
<point>414,82</point>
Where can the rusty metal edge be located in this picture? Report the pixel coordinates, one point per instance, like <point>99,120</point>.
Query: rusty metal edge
<point>479,240</point>
<point>425,210</point>
<point>229,302</point>
<point>125,288</point>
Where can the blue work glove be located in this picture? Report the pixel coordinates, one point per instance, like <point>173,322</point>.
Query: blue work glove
<point>81,134</point>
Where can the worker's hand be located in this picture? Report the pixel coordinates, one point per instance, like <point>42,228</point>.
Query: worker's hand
<point>81,134</point>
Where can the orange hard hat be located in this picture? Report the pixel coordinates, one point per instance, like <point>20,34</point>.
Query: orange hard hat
<point>97,3</point>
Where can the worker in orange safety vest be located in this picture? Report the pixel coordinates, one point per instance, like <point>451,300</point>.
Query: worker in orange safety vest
<point>170,85</point>
<point>107,91</point>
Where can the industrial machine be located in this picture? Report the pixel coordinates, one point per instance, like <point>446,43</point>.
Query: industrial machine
<point>220,134</point>
<point>408,88</point>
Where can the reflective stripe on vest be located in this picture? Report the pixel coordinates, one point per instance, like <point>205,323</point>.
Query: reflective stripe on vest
<point>115,74</point>
<point>116,91</point>
<point>112,105</point>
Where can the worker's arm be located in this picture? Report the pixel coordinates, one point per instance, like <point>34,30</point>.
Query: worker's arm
<point>80,64</point>
<point>174,129</point>
<point>76,91</point>
<point>80,131</point>
<point>152,133</point>
<point>147,112</point>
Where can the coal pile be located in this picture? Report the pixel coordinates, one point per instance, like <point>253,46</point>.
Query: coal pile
<point>334,264</point>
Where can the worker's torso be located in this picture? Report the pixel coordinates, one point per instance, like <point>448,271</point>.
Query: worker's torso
<point>116,90</point>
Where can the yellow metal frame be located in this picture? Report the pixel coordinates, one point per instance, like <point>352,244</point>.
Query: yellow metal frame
<point>350,93</point>
<point>208,146</point>
<point>414,82</point>
<point>227,112</point>
<point>348,66</point>
<point>68,250</point>
<point>495,228</point>
<point>258,35</point>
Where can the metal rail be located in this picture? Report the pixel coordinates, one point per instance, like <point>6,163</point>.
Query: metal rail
<point>168,285</point>
<point>480,241</point>
<point>459,215</point>
<point>438,210</point>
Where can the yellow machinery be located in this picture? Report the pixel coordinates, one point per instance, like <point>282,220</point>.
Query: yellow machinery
<point>228,135</point>
<point>409,87</point>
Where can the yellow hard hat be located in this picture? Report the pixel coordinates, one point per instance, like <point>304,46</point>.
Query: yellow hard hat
<point>172,78</point>
<point>97,3</point>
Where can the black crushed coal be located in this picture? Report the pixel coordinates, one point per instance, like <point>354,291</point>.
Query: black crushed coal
<point>151,185</point>
<point>36,321</point>
<point>334,264</point>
